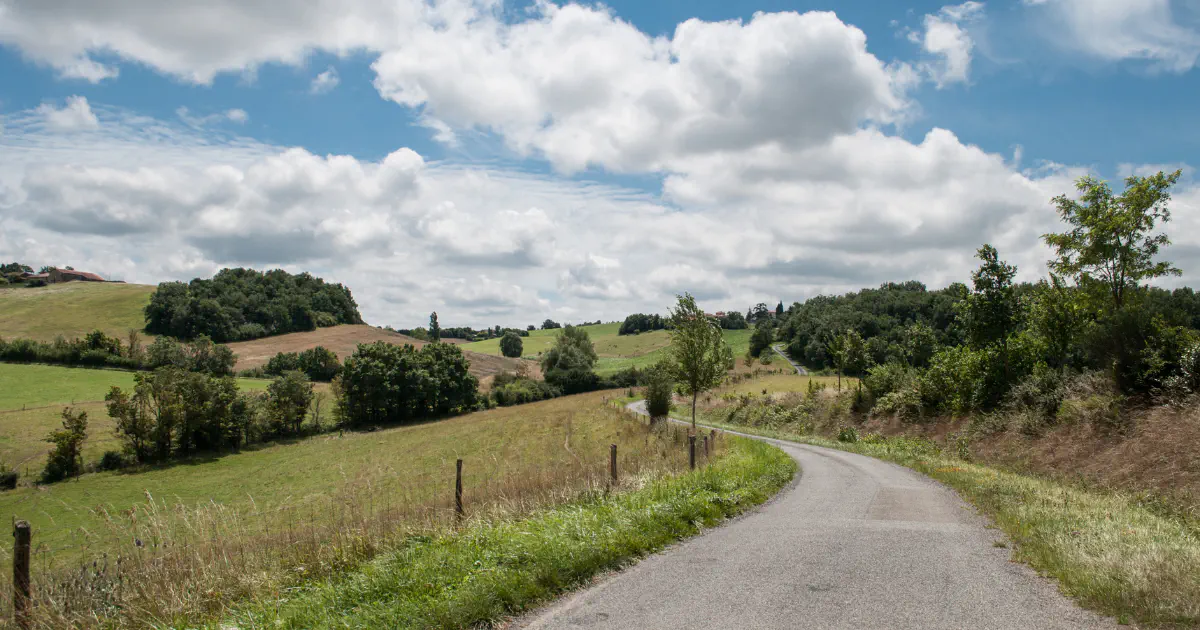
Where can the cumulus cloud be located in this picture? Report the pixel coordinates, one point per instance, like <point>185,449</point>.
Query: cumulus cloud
<point>945,36</point>
<point>76,115</point>
<point>1116,30</point>
<point>583,88</point>
<point>325,82</point>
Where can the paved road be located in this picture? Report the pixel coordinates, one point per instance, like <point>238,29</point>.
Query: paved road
<point>855,543</point>
<point>799,368</point>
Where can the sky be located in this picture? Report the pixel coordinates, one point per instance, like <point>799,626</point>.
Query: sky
<point>504,162</point>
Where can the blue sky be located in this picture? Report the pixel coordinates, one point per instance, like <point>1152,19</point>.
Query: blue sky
<point>510,161</point>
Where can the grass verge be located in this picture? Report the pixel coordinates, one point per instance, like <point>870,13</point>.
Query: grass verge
<point>1106,550</point>
<point>490,570</point>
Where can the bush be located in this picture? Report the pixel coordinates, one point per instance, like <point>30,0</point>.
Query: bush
<point>521,390</point>
<point>112,460</point>
<point>659,389</point>
<point>384,383</point>
<point>511,345</point>
<point>66,460</point>
<point>8,477</point>
<point>848,435</point>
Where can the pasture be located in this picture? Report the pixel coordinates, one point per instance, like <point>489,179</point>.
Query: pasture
<point>239,524</point>
<point>615,352</point>
<point>73,309</point>
<point>32,397</point>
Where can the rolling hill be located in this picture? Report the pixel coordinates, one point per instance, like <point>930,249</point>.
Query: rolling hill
<point>73,309</point>
<point>343,339</point>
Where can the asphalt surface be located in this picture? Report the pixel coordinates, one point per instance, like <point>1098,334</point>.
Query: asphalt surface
<point>799,368</point>
<point>855,543</point>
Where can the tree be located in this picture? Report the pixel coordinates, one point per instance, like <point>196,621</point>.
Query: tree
<point>761,339</point>
<point>550,324</point>
<point>531,328</point>
<point>991,309</point>
<point>779,310</point>
<point>288,398</point>
<point>760,312</point>
<point>511,345</point>
<point>66,459</point>
<point>435,331</point>
<point>698,356</point>
<point>659,388</point>
<point>849,353</point>
<point>1110,244</point>
<point>920,343</point>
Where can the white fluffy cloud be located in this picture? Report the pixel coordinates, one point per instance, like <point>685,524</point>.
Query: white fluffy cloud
<point>325,82</point>
<point>74,116</point>
<point>1115,30</point>
<point>584,88</point>
<point>195,41</point>
<point>945,36</point>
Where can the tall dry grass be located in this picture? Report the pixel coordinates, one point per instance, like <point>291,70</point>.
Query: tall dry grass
<point>159,563</point>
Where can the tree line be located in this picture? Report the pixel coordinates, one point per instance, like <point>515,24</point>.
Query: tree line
<point>997,343</point>
<point>97,349</point>
<point>240,304</point>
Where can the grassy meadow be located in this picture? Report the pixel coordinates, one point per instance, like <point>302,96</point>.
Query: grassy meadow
<point>72,309</point>
<point>223,528</point>
<point>615,352</point>
<point>32,398</point>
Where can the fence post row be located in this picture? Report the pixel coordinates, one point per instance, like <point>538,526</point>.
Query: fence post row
<point>458,506</point>
<point>612,463</point>
<point>21,585</point>
<point>692,452</point>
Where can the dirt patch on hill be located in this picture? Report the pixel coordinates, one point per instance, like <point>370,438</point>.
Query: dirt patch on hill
<point>342,340</point>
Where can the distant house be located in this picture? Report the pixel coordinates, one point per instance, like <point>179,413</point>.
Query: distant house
<point>29,275</point>
<point>70,275</point>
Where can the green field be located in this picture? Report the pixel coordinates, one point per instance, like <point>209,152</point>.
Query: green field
<point>782,383</point>
<point>32,397</point>
<point>247,519</point>
<point>615,352</point>
<point>72,309</point>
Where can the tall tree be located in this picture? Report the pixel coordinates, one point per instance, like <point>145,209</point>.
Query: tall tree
<point>779,310</point>
<point>1111,243</point>
<point>849,352</point>
<point>698,356</point>
<point>435,331</point>
<point>991,309</point>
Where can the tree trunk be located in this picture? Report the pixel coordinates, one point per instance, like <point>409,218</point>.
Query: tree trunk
<point>694,396</point>
<point>839,379</point>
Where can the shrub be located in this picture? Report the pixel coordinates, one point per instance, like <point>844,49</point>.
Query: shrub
<point>521,390</point>
<point>511,345</point>
<point>8,477</point>
<point>848,435</point>
<point>112,460</point>
<point>65,460</point>
<point>659,389</point>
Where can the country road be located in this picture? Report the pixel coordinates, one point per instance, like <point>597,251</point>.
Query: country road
<point>855,543</point>
<point>799,368</point>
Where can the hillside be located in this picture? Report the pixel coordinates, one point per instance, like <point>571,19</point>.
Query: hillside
<point>616,352</point>
<point>343,339</point>
<point>73,309</point>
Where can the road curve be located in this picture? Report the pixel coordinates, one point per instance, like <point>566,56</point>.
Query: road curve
<point>855,543</point>
<point>799,368</point>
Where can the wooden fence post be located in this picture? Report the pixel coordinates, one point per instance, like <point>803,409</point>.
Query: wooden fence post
<point>22,601</point>
<point>692,452</point>
<point>612,463</point>
<point>458,506</point>
<point>706,451</point>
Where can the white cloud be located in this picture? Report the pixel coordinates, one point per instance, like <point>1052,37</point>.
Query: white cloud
<point>1116,30</point>
<point>235,115</point>
<point>195,41</point>
<point>945,36</point>
<point>76,115</point>
<point>584,88</point>
<point>325,82</point>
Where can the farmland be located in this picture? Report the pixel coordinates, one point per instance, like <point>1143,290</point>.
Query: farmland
<point>73,309</point>
<point>32,400</point>
<point>342,340</point>
<point>615,352</point>
<point>377,483</point>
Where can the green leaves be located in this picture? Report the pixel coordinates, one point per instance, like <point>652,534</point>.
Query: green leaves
<point>1110,247</point>
<point>698,356</point>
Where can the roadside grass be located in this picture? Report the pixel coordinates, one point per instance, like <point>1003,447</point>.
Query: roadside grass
<point>782,383</point>
<point>73,309</point>
<point>492,570</point>
<point>32,397</point>
<point>187,541</point>
<point>1105,548</point>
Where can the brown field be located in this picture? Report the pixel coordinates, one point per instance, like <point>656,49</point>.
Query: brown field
<point>342,340</point>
